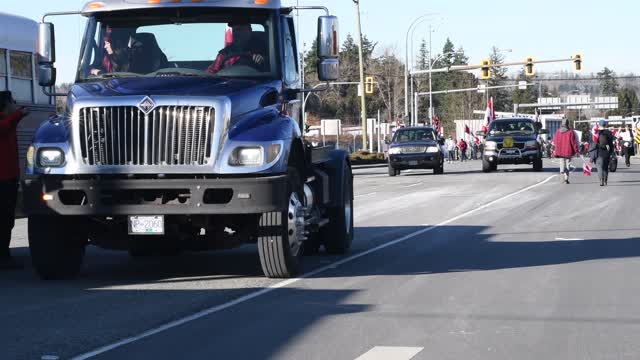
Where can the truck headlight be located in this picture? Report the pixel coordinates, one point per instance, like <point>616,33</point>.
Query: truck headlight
<point>50,158</point>
<point>531,144</point>
<point>31,154</point>
<point>395,151</point>
<point>246,156</point>
<point>490,145</point>
<point>432,150</point>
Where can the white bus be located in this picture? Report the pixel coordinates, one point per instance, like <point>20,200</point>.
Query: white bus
<point>18,74</point>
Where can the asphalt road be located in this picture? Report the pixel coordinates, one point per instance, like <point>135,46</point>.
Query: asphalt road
<point>508,265</point>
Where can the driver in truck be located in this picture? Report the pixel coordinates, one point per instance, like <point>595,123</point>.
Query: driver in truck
<point>116,51</point>
<point>240,51</point>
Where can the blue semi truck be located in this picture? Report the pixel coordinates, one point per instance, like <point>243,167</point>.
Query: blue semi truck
<point>182,132</point>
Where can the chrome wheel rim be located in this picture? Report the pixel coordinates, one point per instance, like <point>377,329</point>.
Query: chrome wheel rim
<point>295,224</point>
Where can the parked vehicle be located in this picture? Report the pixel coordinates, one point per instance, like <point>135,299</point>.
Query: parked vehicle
<point>182,149</point>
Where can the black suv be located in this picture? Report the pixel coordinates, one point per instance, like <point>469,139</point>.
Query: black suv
<point>512,141</point>
<point>416,148</point>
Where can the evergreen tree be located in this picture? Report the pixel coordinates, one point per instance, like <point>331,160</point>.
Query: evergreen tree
<point>627,101</point>
<point>608,83</point>
<point>501,98</point>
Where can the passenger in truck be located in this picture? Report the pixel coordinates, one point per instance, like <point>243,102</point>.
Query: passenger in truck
<point>116,52</point>
<point>242,51</point>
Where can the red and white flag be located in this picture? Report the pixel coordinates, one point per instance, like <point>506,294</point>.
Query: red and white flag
<point>594,133</point>
<point>586,167</point>
<point>228,37</point>
<point>490,114</point>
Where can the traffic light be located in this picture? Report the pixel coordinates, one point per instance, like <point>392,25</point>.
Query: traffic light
<point>577,63</point>
<point>368,85</point>
<point>485,72</point>
<point>528,67</point>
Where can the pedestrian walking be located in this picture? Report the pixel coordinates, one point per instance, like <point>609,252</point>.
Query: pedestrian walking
<point>463,150</point>
<point>601,151</point>
<point>450,146</point>
<point>566,148</point>
<point>10,116</point>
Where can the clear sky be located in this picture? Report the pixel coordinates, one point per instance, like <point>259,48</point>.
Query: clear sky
<point>604,32</point>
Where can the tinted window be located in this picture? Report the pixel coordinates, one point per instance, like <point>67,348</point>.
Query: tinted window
<point>414,135</point>
<point>511,127</point>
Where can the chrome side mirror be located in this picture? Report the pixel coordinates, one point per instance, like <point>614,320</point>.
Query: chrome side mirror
<point>45,46</point>
<point>328,49</point>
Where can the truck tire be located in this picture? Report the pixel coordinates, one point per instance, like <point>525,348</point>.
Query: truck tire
<point>537,164</point>
<point>392,171</point>
<point>56,249</point>
<point>440,169</point>
<point>487,167</point>
<point>280,254</point>
<point>337,235</point>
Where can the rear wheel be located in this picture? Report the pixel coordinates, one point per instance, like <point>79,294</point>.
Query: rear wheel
<point>280,253</point>
<point>338,233</point>
<point>57,246</point>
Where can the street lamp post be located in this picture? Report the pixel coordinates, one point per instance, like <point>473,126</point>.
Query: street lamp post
<point>406,62</point>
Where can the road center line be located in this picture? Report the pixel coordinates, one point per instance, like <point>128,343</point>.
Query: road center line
<point>412,185</point>
<point>390,353</point>
<point>271,288</point>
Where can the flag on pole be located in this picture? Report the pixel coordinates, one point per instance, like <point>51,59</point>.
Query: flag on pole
<point>437,125</point>
<point>490,114</point>
<point>586,167</point>
<point>467,130</point>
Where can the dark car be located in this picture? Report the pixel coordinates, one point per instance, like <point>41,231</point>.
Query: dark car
<point>512,141</point>
<point>416,148</point>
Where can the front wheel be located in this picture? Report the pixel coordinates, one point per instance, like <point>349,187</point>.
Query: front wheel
<point>440,169</point>
<point>537,164</point>
<point>57,246</point>
<point>392,171</point>
<point>338,233</point>
<point>487,167</point>
<point>280,253</point>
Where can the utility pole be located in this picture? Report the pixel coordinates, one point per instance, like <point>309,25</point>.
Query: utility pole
<point>363,103</point>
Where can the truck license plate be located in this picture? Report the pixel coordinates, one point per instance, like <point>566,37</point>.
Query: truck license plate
<point>146,225</point>
<point>413,162</point>
<point>511,152</point>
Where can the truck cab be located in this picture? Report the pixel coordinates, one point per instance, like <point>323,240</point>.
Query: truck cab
<point>182,132</point>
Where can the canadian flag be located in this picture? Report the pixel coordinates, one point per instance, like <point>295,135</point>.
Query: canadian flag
<point>586,167</point>
<point>594,133</point>
<point>490,114</point>
<point>228,37</point>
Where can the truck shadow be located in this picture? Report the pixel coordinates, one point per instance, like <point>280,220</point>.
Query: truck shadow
<point>127,296</point>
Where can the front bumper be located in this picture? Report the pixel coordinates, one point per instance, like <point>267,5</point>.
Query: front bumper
<point>416,161</point>
<point>511,156</point>
<point>224,196</point>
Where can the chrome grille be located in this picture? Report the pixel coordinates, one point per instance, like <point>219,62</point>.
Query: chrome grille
<point>413,149</point>
<point>124,135</point>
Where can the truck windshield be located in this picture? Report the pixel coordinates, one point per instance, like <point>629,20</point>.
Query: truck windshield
<point>511,127</point>
<point>414,135</point>
<point>179,43</point>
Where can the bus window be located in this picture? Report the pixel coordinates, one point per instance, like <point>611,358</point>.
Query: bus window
<point>3,69</point>
<point>21,76</point>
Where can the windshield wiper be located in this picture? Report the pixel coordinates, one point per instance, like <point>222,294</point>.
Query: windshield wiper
<point>181,73</point>
<point>112,75</point>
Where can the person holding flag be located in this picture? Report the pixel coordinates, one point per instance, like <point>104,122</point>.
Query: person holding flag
<point>566,148</point>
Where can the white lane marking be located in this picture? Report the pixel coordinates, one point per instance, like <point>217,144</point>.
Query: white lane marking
<point>390,353</point>
<point>363,195</point>
<point>564,239</point>
<point>412,185</point>
<point>255,294</point>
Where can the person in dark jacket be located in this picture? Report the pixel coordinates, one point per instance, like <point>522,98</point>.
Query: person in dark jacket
<point>10,116</point>
<point>117,51</point>
<point>602,152</point>
<point>566,148</point>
